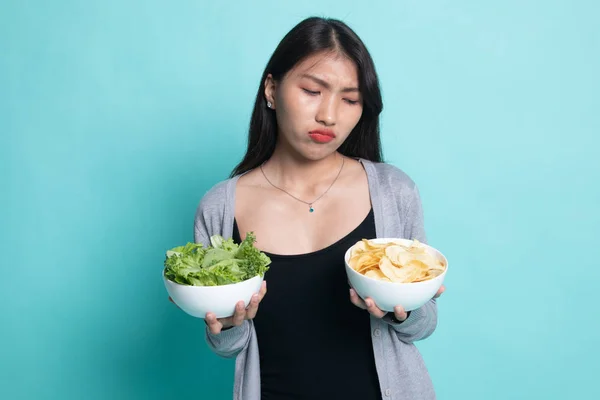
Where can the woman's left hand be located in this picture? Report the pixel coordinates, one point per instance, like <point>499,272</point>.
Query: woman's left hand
<point>369,305</point>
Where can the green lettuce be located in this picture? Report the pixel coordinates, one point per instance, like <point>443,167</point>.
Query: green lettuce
<point>223,262</point>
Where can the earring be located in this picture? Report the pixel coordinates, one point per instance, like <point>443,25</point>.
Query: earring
<point>269,104</point>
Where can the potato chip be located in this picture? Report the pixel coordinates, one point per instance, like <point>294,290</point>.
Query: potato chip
<point>376,273</point>
<point>388,269</point>
<point>398,255</point>
<point>367,266</point>
<point>358,260</point>
<point>421,267</point>
<point>409,272</point>
<point>435,272</point>
<point>395,261</point>
<point>372,245</point>
<point>358,248</point>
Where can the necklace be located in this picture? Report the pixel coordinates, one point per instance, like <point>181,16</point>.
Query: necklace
<point>310,204</point>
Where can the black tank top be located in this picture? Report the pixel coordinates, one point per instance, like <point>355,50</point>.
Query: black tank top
<point>313,342</point>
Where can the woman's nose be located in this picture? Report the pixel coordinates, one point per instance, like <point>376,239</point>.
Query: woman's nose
<point>327,111</point>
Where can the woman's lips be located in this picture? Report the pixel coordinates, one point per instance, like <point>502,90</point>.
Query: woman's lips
<point>321,135</point>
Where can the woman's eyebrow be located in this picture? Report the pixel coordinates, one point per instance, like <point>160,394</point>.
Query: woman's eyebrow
<point>327,85</point>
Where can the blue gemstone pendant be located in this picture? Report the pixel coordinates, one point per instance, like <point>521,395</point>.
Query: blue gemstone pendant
<point>311,209</point>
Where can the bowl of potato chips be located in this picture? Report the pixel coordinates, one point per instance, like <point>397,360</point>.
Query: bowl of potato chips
<point>395,272</point>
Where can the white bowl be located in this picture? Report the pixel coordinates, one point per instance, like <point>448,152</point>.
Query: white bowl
<point>387,295</point>
<point>220,300</point>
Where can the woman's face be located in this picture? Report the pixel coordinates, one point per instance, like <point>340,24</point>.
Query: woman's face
<point>317,104</point>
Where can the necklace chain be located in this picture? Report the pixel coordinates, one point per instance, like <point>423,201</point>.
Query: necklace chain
<point>310,204</point>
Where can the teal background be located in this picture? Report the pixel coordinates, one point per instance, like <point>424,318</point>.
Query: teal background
<point>116,117</point>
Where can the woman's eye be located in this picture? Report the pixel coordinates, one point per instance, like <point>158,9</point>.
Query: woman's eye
<point>351,102</point>
<point>310,92</point>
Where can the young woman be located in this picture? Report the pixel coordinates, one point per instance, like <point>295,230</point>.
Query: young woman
<point>311,184</point>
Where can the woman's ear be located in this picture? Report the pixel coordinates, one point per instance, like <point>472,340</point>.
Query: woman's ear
<point>270,87</point>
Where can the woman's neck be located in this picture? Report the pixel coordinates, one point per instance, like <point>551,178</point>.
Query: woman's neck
<point>292,171</point>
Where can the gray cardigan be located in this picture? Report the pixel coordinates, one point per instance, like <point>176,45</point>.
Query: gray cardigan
<point>398,213</point>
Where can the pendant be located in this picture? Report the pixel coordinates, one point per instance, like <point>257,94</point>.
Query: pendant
<point>310,208</point>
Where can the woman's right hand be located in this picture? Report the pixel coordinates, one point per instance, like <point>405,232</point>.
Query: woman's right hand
<point>215,325</point>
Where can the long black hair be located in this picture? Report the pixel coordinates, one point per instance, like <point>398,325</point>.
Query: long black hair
<point>311,36</point>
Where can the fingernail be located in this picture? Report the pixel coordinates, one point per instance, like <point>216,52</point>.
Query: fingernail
<point>255,297</point>
<point>351,292</point>
<point>368,303</point>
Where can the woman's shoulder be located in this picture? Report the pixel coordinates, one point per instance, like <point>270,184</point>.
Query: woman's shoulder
<point>219,200</point>
<point>216,197</point>
<point>216,203</point>
<point>390,176</point>
<point>213,210</point>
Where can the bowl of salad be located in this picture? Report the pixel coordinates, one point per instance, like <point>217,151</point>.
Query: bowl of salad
<point>215,278</point>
